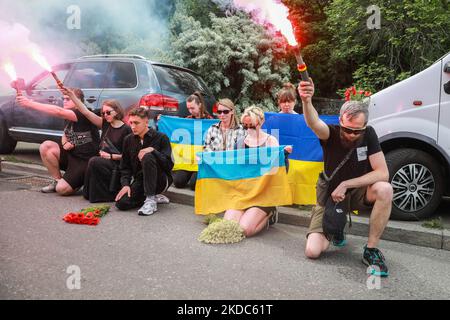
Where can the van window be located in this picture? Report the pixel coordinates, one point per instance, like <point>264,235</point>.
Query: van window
<point>121,75</point>
<point>48,83</point>
<point>88,75</point>
<point>175,80</point>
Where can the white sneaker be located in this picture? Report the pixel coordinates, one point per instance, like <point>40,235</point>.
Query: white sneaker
<point>162,199</point>
<point>51,187</point>
<point>148,208</point>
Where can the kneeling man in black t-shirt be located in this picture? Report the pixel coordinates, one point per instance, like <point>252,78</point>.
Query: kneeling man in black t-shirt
<point>362,181</point>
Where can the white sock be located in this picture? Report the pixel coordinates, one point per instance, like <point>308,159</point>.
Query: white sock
<point>150,198</point>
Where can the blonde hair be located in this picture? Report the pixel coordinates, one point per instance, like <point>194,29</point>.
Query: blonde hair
<point>227,103</point>
<point>287,93</point>
<point>256,114</point>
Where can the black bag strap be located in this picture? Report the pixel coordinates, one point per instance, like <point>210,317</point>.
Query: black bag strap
<point>104,136</point>
<point>343,162</point>
<point>111,146</point>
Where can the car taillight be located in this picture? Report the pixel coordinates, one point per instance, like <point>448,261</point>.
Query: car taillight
<point>215,107</point>
<point>159,102</point>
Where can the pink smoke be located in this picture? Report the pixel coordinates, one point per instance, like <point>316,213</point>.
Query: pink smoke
<point>17,49</point>
<point>269,11</point>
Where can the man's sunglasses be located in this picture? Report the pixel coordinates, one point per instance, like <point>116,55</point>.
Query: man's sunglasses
<point>223,111</point>
<point>353,131</point>
<point>107,113</point>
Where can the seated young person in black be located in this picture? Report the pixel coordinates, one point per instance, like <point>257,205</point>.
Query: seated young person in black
<point>145,166</point>
<point>101,180</point>
<point>78,144</point>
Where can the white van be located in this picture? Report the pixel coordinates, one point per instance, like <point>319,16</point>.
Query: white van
<point>412,120</point>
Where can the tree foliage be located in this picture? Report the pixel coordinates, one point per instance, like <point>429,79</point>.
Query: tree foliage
<point>200,10</point>
<point>247,63</point>
<point>341,50</point>
<point>413,34</point>
<point>237,58</point>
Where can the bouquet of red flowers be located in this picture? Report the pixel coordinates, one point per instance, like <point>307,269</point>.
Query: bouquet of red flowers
<point>90,216</point>
<point>353,94</point>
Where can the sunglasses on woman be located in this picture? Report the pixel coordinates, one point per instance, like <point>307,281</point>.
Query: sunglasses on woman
<point>249,126</point>
<point>353,131</point>
<point>107,113</point>
<point>223,111</point>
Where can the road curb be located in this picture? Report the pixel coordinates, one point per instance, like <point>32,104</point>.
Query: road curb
<point>446,240</point>
<point>398,231</point>
<point>29,168</point>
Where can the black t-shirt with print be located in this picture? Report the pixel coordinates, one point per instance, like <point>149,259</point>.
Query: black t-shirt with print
<point>114,135</point>
<point>358,164</point>
<point>80,131</point>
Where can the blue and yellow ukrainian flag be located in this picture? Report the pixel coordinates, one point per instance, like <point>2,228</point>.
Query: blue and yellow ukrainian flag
<point>306,159</point>
<point>240,179</point>
<point>187,137</point>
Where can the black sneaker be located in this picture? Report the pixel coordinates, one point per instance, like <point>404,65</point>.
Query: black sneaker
<point>373,258</point>
<point>273,217</point>
<point>339,241</point>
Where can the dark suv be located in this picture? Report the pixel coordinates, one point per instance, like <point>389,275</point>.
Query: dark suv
<point>130,79</point>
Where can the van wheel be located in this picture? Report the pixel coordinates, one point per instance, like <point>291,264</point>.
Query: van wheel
<point>7,144</point>
<point>418,184</point>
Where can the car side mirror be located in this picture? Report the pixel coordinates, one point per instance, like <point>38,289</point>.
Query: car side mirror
<point>447,87</point>
<point>447,67</point>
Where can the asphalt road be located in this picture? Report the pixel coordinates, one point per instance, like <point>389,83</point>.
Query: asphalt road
<point>159,257</point>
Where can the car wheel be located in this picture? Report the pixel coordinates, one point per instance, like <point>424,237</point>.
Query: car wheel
<point>7,144</point>
<point>418,184</point>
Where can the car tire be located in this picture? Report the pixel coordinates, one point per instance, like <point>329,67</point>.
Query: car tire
<point>7,144</point>
<point>418,183</point>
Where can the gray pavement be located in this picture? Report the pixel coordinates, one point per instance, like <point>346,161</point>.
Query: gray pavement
<point>158,257</point>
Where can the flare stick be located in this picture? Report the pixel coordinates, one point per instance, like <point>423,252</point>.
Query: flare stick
<point>58,82</point>
<point>301,66</point>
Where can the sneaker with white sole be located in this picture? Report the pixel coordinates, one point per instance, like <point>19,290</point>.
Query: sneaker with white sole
<point>148,208</point>
<point>273,218</point>
<point>374,259</point>
<point>161,199</point>
<point>51,187</point>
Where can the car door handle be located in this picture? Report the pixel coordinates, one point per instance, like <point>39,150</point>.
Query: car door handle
<point>51,99</point>
<point>91,99</point>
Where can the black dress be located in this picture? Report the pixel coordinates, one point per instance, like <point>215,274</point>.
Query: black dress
<point>84,136</point>
<point>97,181</point>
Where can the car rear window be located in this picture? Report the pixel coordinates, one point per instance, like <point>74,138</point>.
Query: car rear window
<point>121,75</point>
<point>175,80</point>
<point>88,75</point>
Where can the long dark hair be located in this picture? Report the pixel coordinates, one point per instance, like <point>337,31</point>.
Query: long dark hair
<point>197,97</point>
<point>78,93</point>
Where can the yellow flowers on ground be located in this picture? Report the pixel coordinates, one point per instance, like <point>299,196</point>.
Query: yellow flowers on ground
<point>222,231</point>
